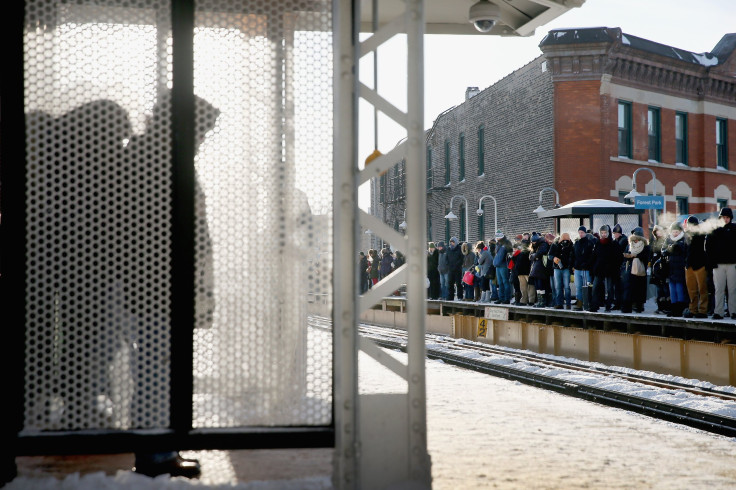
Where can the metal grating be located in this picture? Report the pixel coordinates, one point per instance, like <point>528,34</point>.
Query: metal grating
<point>266,177</point>
<point>98,140</point>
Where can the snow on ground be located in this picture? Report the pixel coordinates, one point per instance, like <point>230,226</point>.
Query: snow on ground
<point>488,432</point>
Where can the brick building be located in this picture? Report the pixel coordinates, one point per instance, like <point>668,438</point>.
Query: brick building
<point>581,118</point>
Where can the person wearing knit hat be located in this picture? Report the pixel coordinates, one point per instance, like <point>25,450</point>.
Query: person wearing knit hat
<point>636,257</point>
<point>562,254</point>
<point>696,272</point>
<point>499,235</point>
<point>582,264</point>
<point>433,274</point>
<point>674,250</point>
<point>607,258</point>
<point>720,247</point>
<point>619,284</point>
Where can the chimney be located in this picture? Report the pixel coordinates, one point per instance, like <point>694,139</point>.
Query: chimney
<point>471,92</point>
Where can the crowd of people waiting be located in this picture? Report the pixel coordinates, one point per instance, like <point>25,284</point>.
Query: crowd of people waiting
<point>692,266</point>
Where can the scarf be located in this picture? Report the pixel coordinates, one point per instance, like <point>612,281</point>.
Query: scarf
<point>636,246</point>
<point>677,238</point>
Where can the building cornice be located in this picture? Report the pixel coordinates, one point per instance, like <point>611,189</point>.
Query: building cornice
<point>638,69</point>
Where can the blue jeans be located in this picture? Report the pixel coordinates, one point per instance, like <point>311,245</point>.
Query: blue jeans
<point>504,283</point>
<point>582,278</point>
<point>562,285</point>
<point>444,284</point>
<point>678,292</point>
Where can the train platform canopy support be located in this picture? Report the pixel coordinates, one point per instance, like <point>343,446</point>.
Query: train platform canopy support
<point>381,439</point>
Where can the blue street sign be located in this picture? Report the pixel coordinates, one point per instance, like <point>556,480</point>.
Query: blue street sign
<point>649,202</point>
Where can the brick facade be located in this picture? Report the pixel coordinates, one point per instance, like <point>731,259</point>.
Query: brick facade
<point>554,123</point>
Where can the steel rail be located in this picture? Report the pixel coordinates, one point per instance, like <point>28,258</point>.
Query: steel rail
<point>709,422</point>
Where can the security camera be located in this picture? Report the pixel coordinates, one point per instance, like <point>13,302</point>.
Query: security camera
<point>484,15</point>
<point>479,212</point>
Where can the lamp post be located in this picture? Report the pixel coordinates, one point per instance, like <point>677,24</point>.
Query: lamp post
<point>634,193</point>
<point>451,215</point>
<point>402,225</point>
<point>479,212</point>
<point>540,209</point>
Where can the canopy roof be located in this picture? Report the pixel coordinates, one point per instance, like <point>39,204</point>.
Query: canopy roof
<point>518,17</point>
<point>587,207</point>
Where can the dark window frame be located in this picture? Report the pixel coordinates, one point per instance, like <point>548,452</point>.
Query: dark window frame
<point>682,204</point>
<point>681,144</point>
<point>481,150</point>
<point>429,169</point>
<point>624,132</point>
<point>461,157</point>
<point>654,119</point>
<point>448,166</point>
<point>722,143</point>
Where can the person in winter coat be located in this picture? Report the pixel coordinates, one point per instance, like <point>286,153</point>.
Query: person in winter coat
<point>485,263</point>
<point>607,257</point>
<point>618,282</point>
<point>720,247</point>
<point>696,272</point>
<point>384,269</point>
<point>433,274</point>
<point>523,266</point>
<point>455,260</point>
<point>373,266</point>
<point>659,270</point>
<point>635,278</point>
<point>468,266</point>
<point>501,263</point>
<point>443,267</point>
<point>562,254</point>
<point>582,264</point>
<point>363,272</point>
<point>538,273</point>
<point>675,250</point>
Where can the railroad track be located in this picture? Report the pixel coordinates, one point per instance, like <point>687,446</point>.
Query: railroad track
<point>483,357</point>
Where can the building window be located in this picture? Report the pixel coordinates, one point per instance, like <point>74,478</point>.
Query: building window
<point>463,224</point>
<point>721,203</point>
<point>623,199</point>
<point>481,150</point>
<point>396,224</point>
<point>482,223</point>
<point>624,129</point>
<point>429,226</point>
<point>447,227</point>
<point>654,132</point>
<point>681,137</point>
<point>722,143</point>
<point>382,189</point>
<point>461,152</point>
<point>447,163</point>
<point>683,208</point>
<point>429,168</point>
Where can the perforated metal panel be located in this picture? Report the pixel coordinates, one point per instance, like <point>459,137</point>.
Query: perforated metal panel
<point>98,298</point>
<point>266,179</point>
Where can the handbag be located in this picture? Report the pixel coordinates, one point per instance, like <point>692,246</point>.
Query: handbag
<point>468,277</point>
<point>638,268</point>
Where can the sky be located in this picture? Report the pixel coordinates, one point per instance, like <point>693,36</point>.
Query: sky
<point>453,63</point>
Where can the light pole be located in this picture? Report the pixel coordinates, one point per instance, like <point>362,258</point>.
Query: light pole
<point>479,212</point>
<point>402,225</point>
<point>540,209</point>
<point>634,193</point>
<point>451,215</point>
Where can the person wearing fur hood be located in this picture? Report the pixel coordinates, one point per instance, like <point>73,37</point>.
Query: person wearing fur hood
<point>675,250</point>
<point>468,265</point>
<point>635,274</point>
